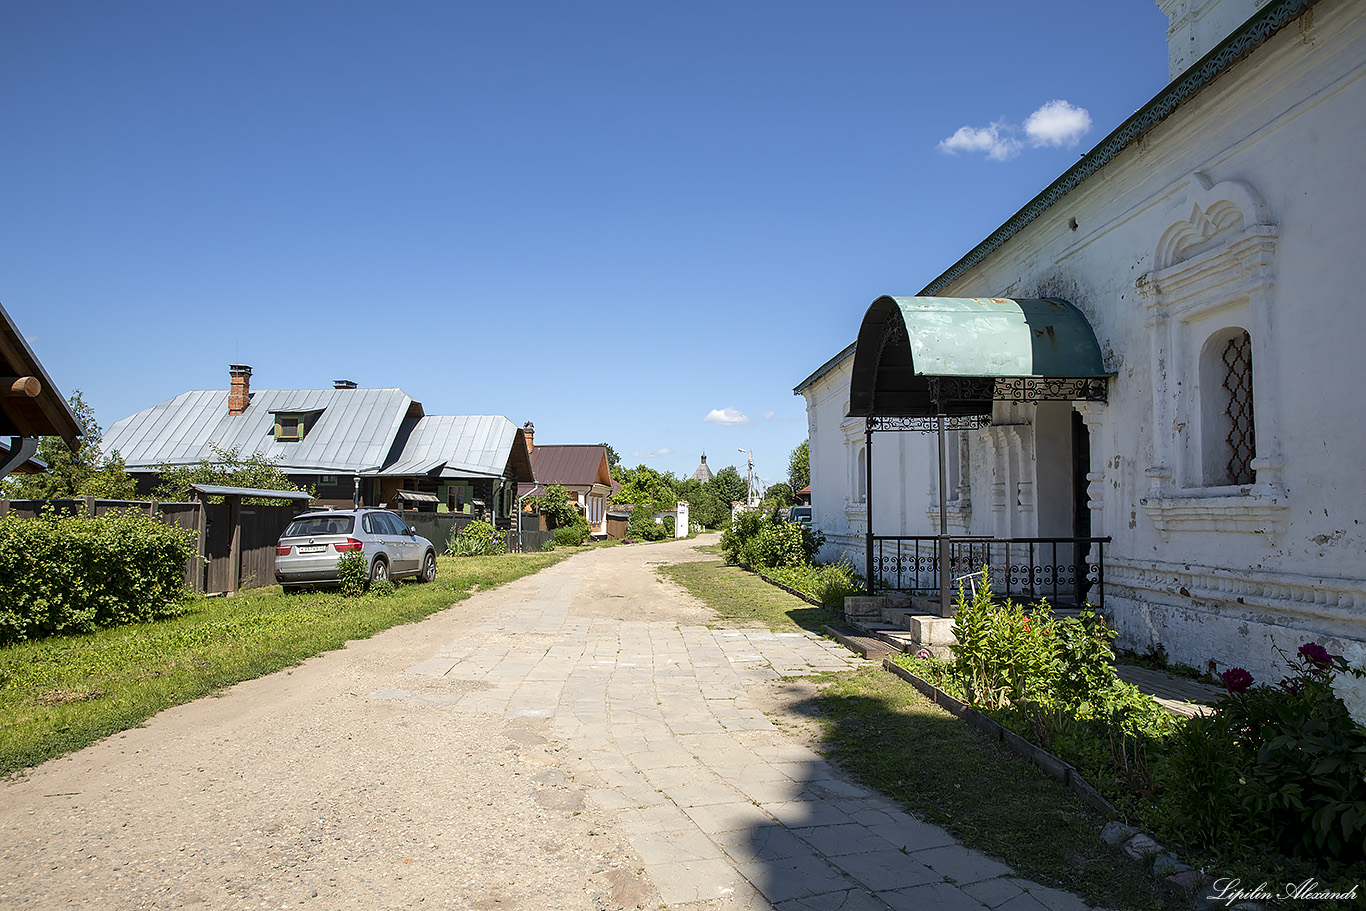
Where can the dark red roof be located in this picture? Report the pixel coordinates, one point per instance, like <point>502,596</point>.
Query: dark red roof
<point>571,464</point>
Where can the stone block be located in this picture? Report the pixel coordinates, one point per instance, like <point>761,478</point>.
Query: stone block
<point>1117,832</point>
<point>863,607</point>
<point>1168,864</point>
<point>1141,847</point>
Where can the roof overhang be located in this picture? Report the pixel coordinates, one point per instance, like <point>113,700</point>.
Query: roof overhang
<point>32,407</point>
<point>214,490</point>
<point>922,356</point>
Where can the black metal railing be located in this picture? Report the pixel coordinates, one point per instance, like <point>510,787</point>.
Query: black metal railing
<point>1064,571</point>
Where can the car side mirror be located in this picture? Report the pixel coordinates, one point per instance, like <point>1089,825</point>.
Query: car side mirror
<point>411,530</point>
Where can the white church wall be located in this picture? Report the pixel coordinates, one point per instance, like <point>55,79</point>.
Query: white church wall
<point>1242,211</point>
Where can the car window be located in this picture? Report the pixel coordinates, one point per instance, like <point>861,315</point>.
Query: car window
<point>398,525</point>
<point>370,522</point>
<point>306,526</point>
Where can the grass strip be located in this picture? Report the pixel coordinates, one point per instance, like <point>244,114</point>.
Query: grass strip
<point>61,694</point>
<point>892,739</point>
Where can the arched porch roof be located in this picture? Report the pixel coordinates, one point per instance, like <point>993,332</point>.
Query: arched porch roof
<point>913,352</point>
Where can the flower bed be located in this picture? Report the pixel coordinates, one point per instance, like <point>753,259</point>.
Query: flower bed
<point>1272,784</point>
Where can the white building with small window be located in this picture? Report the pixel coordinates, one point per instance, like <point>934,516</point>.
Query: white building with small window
<point>1214,245</point>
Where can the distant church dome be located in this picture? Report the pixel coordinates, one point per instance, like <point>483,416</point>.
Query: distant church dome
<point>703,473</point>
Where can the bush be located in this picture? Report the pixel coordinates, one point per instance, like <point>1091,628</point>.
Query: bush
<point>757,539</point>
<point>1282,765</point>
<point>352,574</point>
<point>643,526</point>
<point>74,574</point>
<point>573,534</point>
<point>477,539</point>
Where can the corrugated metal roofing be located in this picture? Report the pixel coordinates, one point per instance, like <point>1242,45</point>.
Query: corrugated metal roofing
<point>571,464</point>
<point>354,432</point>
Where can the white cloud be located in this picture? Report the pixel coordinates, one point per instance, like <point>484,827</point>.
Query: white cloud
<point>1057,124</point>
<point>727,416</point>
<point>997,141</point>
<point>654,455</point>
<point>770,415</point>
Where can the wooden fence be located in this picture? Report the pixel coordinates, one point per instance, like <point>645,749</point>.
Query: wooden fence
<point>236,543</point>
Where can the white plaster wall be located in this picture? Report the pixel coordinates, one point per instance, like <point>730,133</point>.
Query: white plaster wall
<point>1227,578</point>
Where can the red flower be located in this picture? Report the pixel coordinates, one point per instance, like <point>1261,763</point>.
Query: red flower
<point>1315,654</point>
<point>1237,679</point>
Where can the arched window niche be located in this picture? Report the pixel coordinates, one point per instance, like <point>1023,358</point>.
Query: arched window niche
<point>1209,301</point>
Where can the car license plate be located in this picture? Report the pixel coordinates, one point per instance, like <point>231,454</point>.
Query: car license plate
<point>312,548</point>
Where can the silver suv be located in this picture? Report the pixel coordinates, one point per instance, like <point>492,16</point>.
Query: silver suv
<point>310,547</point>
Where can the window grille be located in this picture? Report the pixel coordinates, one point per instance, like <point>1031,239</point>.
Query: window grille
<point>1237,358</point>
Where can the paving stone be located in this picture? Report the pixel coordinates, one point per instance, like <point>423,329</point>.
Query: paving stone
<point>962,865</point>
<point>764,843</point>
<point>886,869</point>
<point>798,877</point>
<point>1052,899</point>
<point>845,838</point>
<point>802,813</point>
<point>995,892</point>
<point>939,896</point>
<point>693,880</point>
<point>852,900</point>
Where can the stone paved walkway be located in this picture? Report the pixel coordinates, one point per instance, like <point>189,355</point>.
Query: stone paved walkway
<point>722,807</point>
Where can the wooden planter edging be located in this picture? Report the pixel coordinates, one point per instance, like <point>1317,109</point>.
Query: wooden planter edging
<point>1063,772</point>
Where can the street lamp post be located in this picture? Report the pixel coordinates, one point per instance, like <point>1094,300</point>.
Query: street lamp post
<point>750,500</point>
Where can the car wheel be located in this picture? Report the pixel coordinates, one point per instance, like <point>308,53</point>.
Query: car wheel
<point>379,570</point>
<point>428,573</point>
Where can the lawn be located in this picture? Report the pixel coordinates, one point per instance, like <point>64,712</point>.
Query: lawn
<point>889,737</point>
<point>61,694</point>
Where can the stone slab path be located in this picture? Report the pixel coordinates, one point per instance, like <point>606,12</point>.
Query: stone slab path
<point>580,739</point>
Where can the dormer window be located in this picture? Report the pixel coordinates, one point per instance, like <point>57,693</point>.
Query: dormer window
<point>292,426</point>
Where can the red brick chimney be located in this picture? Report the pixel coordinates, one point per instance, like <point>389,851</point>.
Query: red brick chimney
<point>530,430</point>
<point>239,395</point>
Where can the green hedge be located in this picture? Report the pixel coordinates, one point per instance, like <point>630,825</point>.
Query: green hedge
<point>74,574</point>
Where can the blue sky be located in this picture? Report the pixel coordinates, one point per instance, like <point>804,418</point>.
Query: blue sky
<point>634,222</point>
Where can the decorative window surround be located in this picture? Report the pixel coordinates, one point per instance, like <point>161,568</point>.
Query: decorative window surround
<point>1214,268</point>
<point>1291,596</point>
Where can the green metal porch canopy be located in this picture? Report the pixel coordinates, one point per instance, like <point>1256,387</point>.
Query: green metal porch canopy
<point>923,356</point>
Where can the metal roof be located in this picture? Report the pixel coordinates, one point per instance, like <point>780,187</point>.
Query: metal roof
<point>905,341</point>
<point>571,464</point>
<point>461,446</point>
<point>44,414</point>
<point>215,490</point>
<point>354,432</point>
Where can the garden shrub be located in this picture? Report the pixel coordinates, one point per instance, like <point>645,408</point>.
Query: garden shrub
<point>352,573</point>
<point>74,574</point>
<point>755,539</point>
<point>1283,765</point>
<point>573,534</point>
<point>477,539</point>
<point>643,527</point>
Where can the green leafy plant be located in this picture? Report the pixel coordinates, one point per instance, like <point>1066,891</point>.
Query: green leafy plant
<point>75,574</point>
<point>643,527</point>
<point>477,539</point>
<point>382,588</point>
<point>1284,765</point>
<point>352,573</point>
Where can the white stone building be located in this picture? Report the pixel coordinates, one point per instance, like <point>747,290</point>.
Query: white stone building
<point>1215,244</point>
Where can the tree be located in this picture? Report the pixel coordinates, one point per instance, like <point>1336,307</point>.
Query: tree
<point>729,486</point>
<point>227,468</point>
<point>704,507</point>
<point>645,486</point>
<point>779,495</point>
<point>559,511</point>
<point>82,472</point>
<point>799,467</point>
<point>613,460</point>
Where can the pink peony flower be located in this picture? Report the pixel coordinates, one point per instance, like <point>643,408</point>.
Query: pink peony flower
<point>1237,679</point>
